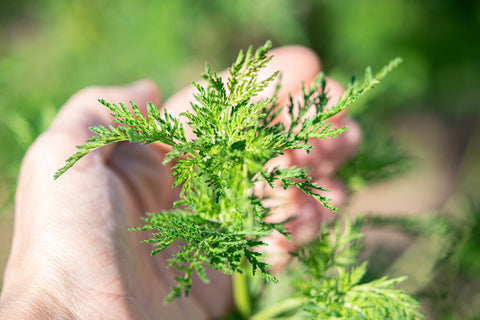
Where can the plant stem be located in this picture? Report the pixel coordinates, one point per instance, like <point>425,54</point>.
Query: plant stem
<point>278,308</point>
<point>241,295</point>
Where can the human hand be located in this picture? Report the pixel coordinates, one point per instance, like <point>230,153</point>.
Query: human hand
<point>72,254</point>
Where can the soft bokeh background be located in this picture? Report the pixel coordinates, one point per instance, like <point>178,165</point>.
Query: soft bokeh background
<point>421,156</point>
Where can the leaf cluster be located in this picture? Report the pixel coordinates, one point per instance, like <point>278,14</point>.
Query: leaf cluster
<point>219,221</point>
<point>204,244</point>
<point>333,288</point>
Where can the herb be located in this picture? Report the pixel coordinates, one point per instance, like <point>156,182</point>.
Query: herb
<point>219,220</point>
<point>327,282</point>
<point>334,289</point>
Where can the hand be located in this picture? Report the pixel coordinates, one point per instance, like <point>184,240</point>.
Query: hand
<point>72,255</point>
<point>72,250</point>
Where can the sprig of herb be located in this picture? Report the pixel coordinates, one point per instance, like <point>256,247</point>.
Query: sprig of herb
<point>219,220</point>
<point>331,281</point>
<point>325,281</point>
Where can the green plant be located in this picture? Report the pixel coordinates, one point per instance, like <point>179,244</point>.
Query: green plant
<point>219,220</point>
<point>327,283</point>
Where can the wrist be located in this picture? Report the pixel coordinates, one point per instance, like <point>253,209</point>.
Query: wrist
<point>31,301</point>
<point>57,294</point>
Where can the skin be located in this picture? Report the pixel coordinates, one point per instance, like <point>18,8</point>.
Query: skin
<point>72,255</point>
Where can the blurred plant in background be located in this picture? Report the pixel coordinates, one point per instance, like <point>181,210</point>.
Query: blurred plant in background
<point>425,117</point>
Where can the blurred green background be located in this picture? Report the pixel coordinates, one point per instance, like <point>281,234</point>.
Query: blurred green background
<point>425,114</point>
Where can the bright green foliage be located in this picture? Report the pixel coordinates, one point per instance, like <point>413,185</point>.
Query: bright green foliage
<point>334,290</point>
<point>219,221</point>
<point>207,244</point>
<point>134,128</point>
<point>378,158</point>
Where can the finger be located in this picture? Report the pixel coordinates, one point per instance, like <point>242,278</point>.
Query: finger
<point>308,216</point>
<point>70,126</point>
<point>311,214</point>
<point>83,109</point>
<point>277,250</point>
<point>297,65</point>
<point>306,210</point>
<point>329,154</point>
<point>333,90</point>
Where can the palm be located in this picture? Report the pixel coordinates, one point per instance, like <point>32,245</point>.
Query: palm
<point>136,184</point>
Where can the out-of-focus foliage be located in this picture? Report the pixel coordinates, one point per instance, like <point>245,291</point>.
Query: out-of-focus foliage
<point>437,39</point>
<point>449,290</point>
<point>378,158</point>
<point>454,286</point>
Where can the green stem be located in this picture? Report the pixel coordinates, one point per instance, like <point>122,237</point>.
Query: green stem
<point>241,295</point>
<point>250,218</point>
<point>283,306</point>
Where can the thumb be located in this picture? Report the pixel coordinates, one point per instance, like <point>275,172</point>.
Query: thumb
<point>82,111</point>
